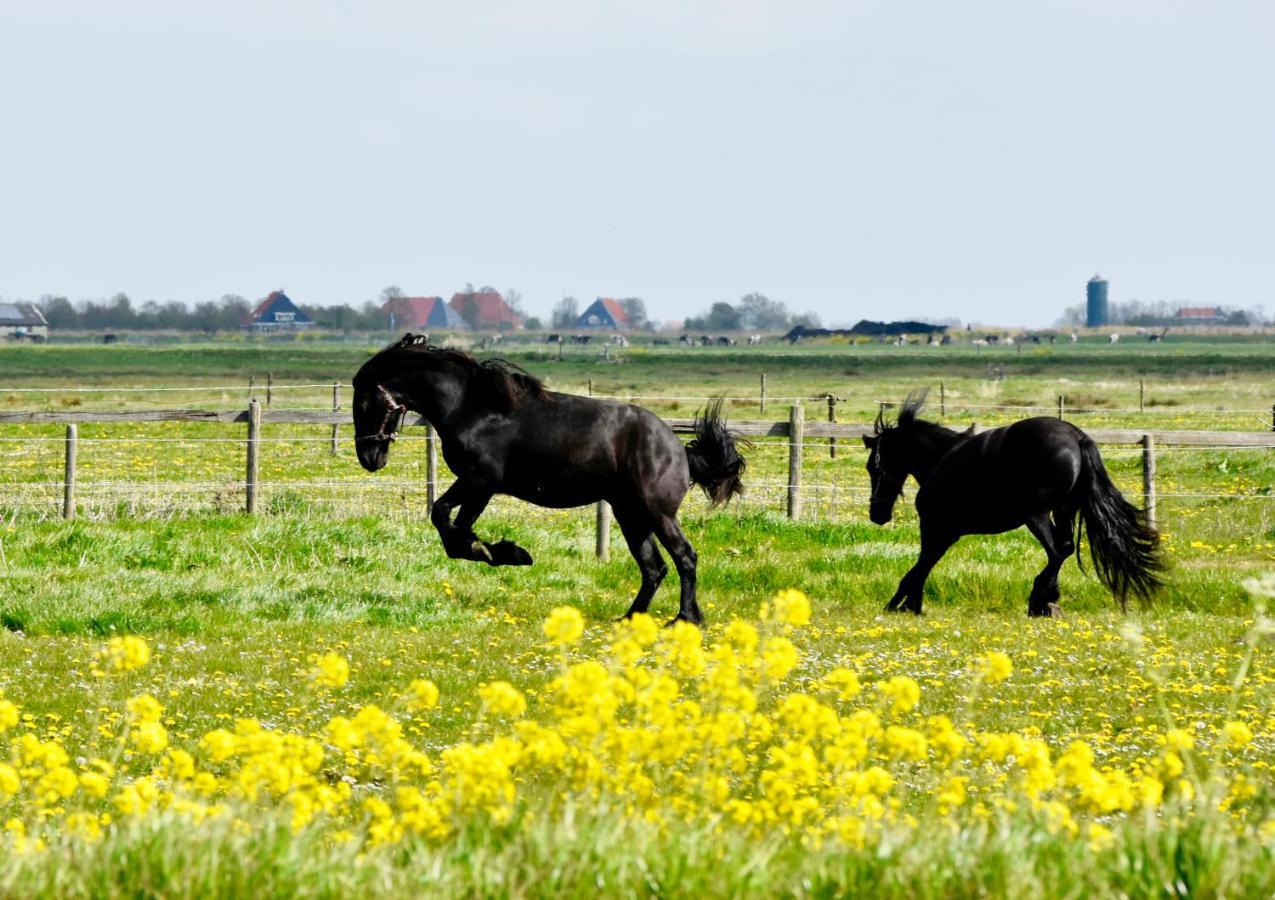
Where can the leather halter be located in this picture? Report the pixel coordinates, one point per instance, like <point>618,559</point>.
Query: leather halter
<point>394,413</point>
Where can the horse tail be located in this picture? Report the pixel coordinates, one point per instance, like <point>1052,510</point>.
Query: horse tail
<point>713,456</point>
<point>1125,550</point>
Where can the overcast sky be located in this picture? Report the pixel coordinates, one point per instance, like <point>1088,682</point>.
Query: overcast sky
<point>859,159</point>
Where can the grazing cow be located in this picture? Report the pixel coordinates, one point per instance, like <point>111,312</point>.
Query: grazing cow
<point>1113,338</point>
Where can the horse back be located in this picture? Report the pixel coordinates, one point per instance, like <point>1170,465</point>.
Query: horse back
<point>992,481</point>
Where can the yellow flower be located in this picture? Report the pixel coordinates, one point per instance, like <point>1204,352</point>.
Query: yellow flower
<point>842,682</point>
<point>779,657</point>
<point>95,784</point>
<point>149,737</point>
<point>124,654</point>
<point>8,715</point>
<point>9,781</point>
<point>145,708</point>
<point>1237,734</point>
<point>500,698</point>
<point>994,667</point>
<point>422,695</point>
<point>330,670</point>
<point>790,607</point>
<point>902,692</point>
<point>564,626</point>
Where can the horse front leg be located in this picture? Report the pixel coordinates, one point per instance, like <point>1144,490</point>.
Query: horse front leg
<point>459,540</point>
<point>912,585</point>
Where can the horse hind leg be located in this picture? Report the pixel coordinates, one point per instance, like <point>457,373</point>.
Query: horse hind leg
<point>646,552</point>
<point>684,558</point>
<point>1043,600</point>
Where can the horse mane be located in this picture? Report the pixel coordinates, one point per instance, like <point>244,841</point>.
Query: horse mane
<point>500,383</point>
<point>909,418</point>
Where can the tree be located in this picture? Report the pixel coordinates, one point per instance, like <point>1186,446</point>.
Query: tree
<point>533,324</point>
<point>635,311</point>
<point>59,312</point>
<point>393,292</point>
<point>513,297</point>
<point>721,317</point>
<point>565,313</point>
<point>757,312</point>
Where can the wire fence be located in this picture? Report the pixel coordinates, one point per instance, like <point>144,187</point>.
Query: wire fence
<point>293,471</point>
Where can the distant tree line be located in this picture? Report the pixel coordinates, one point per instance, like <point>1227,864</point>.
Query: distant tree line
<point>1158,313</point>
<point>753,312</point>
<point>227,314</point>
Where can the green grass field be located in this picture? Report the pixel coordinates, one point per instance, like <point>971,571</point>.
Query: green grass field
<point>235,609</point>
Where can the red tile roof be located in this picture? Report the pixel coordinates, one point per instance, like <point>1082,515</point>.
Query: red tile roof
<point>616,310</point>
<point>411,312</point>
<point>485,309</point>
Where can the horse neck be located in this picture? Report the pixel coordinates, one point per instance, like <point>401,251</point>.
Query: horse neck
<point>927,445</point>
<point>436,392</point>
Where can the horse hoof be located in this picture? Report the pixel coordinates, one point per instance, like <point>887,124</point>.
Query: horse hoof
<point>507,553</point>
<point>482,553</point>
<point>698,623</point>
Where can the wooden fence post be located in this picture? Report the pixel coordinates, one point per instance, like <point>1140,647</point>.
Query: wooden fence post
<point>1273,417</point>
<point>763,391</point>
<point>269,388</point>
<point>603,544</point>
<point>252,386</point>
<point>1148,478</point>
<point>431,466</point>
<point>336,407</point>
<point>1061,403</point>
<point>1142,396</point>
<point>560,342</point>
<point>253,474</point>
<point>796,434</point>
<point>942,401</point>
<point>590,387</point>
<point>68,482</point>
<point>832,417</point>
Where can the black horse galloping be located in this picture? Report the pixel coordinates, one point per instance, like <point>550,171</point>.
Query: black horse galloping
<point>1038,472</point>
<point>503,433</point>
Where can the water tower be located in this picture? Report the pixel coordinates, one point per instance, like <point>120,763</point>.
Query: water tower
<point>1096,306</point>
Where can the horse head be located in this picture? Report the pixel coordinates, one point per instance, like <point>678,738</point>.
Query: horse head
<point>887,465</point>
<point>378,410</point>
<point>886,475</point>
<point>378,415</point>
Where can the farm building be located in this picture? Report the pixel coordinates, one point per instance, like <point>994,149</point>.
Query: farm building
<point>276,313</point>
<point>23,320</point>
<point>485,310</point>
<point>1097,313</point>
<point>1199,315</point>
<point>428,313</point>
<point>604,313</point>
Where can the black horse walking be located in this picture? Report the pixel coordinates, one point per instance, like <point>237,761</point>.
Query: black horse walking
<point>1039,472</point>
<point>503,433</point>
